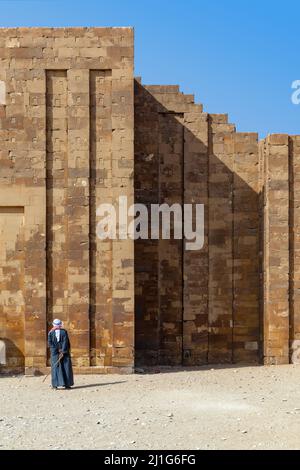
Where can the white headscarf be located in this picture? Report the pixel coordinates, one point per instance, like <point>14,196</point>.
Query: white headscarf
<point>57,324</point>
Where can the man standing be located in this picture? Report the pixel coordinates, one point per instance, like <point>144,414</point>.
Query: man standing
<point>61,365</point>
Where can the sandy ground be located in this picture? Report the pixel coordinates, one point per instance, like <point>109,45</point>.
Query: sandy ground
<point>221,408</point>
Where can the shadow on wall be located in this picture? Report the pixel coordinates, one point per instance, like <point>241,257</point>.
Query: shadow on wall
<point>196,308</point>
<point>11,358</point>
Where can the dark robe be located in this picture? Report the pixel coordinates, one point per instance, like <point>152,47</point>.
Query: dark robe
<point>61,373</point>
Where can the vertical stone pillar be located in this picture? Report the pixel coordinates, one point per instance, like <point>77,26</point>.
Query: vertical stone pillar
<point>294,225</point>
<point>78,215</point>
<point>246,262</point>
<point>276,250</point>
<point>31,155</point>
<point>122,179</point>
<point>146,182</point>
<point>101,328</point>
<point>170,251</point>
<point>195,263</point>
<point>56,201</point>
<point>220,239</point>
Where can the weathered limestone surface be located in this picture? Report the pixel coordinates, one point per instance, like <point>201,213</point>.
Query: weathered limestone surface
<point>276,229</point>
<point>195,263</point>
<point>294,247</point>
<point>200,307</point>
<point>246,245</point>
<point>66,137</point>
<point>281,249</point>
<point>70,112</point>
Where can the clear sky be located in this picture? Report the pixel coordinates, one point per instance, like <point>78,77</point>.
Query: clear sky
<point>237,56</point>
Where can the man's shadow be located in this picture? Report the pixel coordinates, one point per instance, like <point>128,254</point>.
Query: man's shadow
<point>98,385</point>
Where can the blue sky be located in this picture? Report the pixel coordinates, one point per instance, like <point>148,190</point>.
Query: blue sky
<point>237,56</point>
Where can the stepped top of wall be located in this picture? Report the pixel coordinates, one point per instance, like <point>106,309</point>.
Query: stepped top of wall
<point>173,100</point>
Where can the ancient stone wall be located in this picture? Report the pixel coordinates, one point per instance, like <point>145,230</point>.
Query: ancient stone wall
<point>281,248</point>
<point>67,109</point>
<point>66,132</point>
<point>200,307</point>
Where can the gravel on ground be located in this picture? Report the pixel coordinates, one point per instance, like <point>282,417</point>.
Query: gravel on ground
<point>181,409</point>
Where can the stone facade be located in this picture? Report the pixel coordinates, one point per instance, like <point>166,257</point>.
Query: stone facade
<point>77,130</point>
<point>281,223</point>
<point>194,308</point>
<point>66,138</point>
